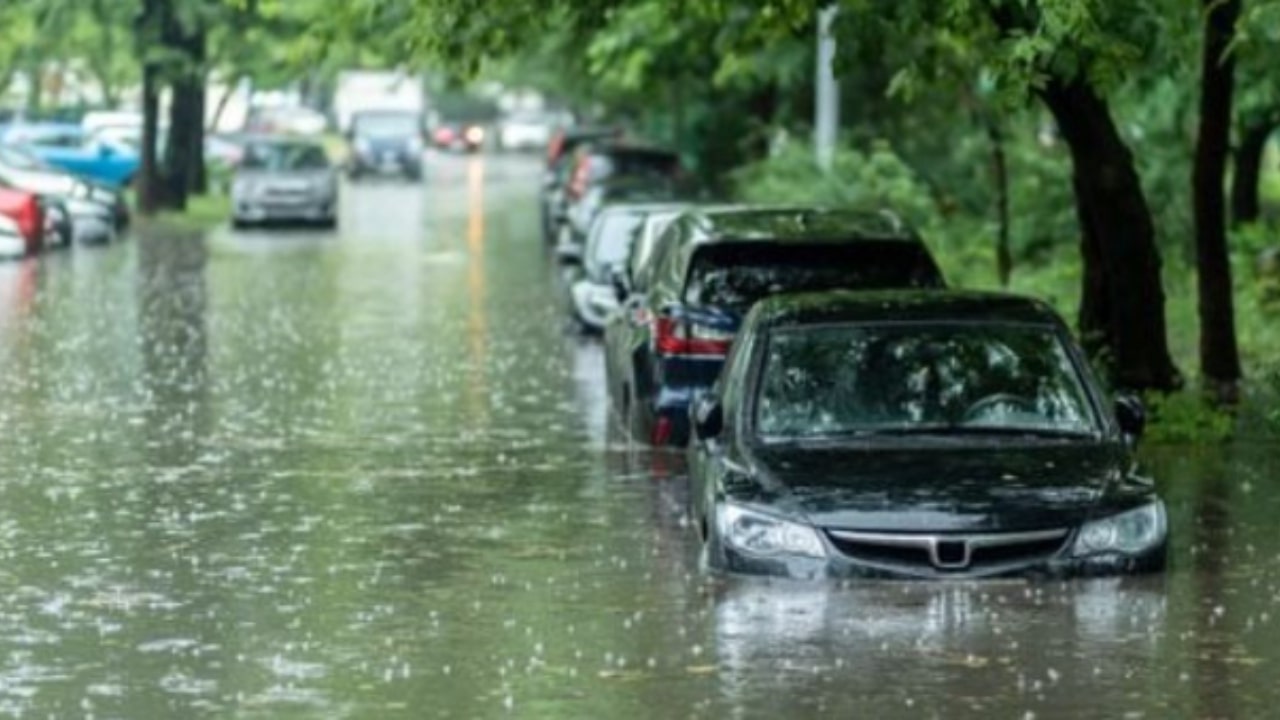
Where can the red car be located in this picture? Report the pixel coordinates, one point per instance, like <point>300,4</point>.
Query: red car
<point>24,209</point>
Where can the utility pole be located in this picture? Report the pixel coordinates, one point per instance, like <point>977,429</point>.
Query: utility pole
<point>826,120</point>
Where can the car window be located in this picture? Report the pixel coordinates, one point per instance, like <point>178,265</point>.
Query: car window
<point>284,157</point>
<point>387,125</point>
<point>739,274</point>
<point>611,238</point>
<point>906,377</point>
<point>633,163</point>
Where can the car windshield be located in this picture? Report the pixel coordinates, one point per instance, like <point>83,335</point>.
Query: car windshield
<point>611,239</point>
<point>738,274</point>
<point>387,125</point>
<point>962,378</point>
<point>284,157</point>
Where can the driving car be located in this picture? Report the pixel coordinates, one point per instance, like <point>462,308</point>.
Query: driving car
<point>385,142</point>
<point>609,242</point>
<point>283,179</point>
<point>458,136</point>
<point>917,434</point>
<point>668,343</point>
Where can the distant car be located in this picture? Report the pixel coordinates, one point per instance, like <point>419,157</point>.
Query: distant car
<point>385,142</point>
<point>596,164</point>
<point>282,179</point>
<point>26,216</point>
<point>68,148</point>
<point>668,343</point>
<point>560,153</point>
<point>927,435</point>
<point>287,120</point>
<point>565,141</point>
<point>458,136</point>
<point>525,131</point>
<point>609,243</point>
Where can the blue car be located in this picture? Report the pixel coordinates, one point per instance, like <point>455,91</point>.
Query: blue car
<point>67,147</point>
<point>668,343</point>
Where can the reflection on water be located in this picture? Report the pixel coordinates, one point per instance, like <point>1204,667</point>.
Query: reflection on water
<point>367,474</point>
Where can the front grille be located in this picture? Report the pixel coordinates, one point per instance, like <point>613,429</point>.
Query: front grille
<point>957,552</point>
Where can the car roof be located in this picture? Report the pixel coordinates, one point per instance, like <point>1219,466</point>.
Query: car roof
<point>795,224</point>
<point>847,306</point>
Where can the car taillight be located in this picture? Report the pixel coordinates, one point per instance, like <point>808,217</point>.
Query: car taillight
<point>674,338</point>
<point>30,220</point>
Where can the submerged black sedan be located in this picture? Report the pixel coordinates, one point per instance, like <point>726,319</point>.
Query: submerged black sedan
<point>917,434</point>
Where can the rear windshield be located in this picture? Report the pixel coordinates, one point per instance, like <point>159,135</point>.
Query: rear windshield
<point>619,163</point>
<point>284,156</point>
<point>739,274</point>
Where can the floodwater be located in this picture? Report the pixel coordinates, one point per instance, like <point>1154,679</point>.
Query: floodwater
<point>364,474</point>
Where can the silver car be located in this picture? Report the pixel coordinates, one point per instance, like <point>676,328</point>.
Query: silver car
<point>284,179</point>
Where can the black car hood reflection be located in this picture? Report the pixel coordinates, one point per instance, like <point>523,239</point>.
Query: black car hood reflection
<point>993,488</point>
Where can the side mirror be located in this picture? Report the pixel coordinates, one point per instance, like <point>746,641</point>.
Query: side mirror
<point>621,284</point>
<point>707,415</point>
<point>1131,416</point>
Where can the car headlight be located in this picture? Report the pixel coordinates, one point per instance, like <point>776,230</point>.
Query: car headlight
<point>759,534</point>
<point>1129,533</point>
<point>363,147</point>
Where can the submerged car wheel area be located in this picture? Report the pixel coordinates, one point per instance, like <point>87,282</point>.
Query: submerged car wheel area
<point>923,435</point>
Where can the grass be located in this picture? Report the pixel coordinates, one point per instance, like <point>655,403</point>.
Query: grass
<point>203,212</point>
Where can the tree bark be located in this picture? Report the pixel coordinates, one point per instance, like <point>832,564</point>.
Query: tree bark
<point>1122,318</point>
<point>1219,354</point>
<point>147,179</point>
<point>1246,207</point>
<point>1000,176</point>
<point>197,177</point>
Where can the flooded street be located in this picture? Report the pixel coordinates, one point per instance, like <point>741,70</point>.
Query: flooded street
<point>366,474</point>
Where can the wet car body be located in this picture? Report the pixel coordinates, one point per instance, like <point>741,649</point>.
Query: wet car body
<point>973,504</point>
<point>69,148</point>
<point>668,343</point>
<point>386,142</point>
<point>582,214</point>
<point>593,295</point>
<point>98,212</point>
<point>285,180</point>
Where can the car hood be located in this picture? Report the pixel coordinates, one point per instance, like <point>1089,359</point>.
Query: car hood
<point>993,488</point>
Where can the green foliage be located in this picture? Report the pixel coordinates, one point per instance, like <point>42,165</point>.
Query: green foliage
<point>1187,418</point>
<point>873,180</point>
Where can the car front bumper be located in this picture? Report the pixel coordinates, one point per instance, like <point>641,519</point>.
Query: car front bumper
<point>266,211</point>
<point>842,567</point>
<point>92,229</point>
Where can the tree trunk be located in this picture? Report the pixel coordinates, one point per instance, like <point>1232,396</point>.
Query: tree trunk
<point>196,175</point>
<point>1219,356</point>
<point>178,150</point>
<point>146,28</point>
<point>1122,306</point>
<point>1245,204</point>
<point>1000,175</point>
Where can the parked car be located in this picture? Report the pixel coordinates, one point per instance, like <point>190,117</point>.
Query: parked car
<point>456,136</point>
<point>560,164</point>
<point>26,215</point>
<point>525,131</point>
<point>609,242</point>
<point>67,147</point>
<point>668,343</point>
<point>580,214</point>
<point>283,179</point>
<point>917,434</point>
<point>86,202</point>
<point>386,142</point>
<point>12,242</point>
<point>564,142</point>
